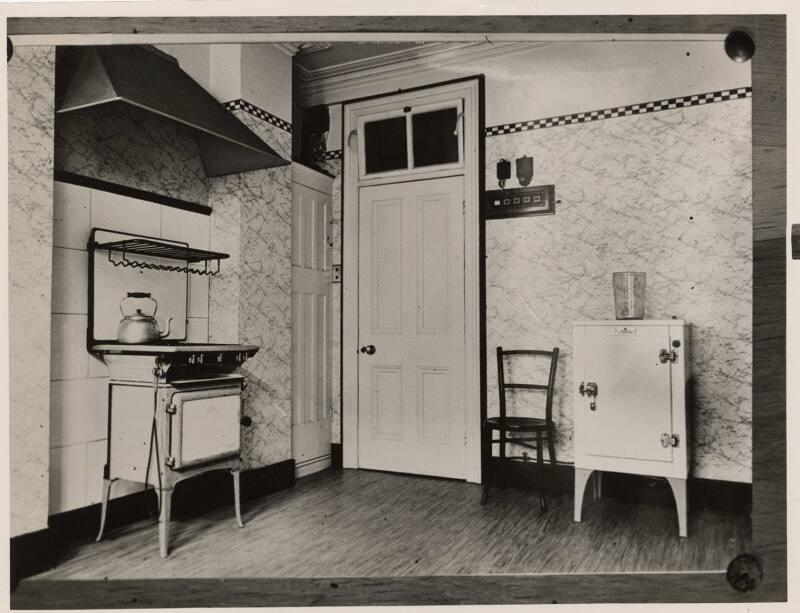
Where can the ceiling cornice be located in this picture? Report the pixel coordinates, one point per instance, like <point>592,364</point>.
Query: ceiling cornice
<point>344,77</point>
<point>289,49</point>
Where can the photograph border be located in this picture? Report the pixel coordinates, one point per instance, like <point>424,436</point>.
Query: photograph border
<point>769,512</point>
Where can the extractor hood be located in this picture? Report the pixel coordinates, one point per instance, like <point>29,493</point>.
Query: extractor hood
<point>146,78</point>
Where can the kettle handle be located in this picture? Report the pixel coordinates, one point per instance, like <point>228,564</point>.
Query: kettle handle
<point>139,295</point>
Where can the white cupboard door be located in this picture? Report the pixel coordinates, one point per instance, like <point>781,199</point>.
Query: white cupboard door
<point>634,394</point>
<point>411,309</point>
<point>311,320</point>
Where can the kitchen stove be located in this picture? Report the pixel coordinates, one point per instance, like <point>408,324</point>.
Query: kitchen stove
<point>174,407</point>
<point>174,411</point>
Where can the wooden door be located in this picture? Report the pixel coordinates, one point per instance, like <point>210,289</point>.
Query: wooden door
<point>634,393</point>
<point>411,310</point>
<point>311,321</point>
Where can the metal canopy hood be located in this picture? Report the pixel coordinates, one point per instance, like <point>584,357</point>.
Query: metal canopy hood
<point>146,78</point>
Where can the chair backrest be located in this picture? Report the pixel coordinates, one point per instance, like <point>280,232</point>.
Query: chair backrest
<point>549,387</point>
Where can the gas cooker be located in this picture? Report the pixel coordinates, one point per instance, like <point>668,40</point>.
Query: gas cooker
<point>168,346</point>
<point>207,356</point>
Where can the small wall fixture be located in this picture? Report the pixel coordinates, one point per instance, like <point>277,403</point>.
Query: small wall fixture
<point>503,172</point>
<point>524,170</point>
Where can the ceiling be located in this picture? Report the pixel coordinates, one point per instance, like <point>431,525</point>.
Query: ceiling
<point>319,56</point>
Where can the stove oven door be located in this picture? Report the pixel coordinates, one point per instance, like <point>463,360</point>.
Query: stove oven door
<point>204,426</point>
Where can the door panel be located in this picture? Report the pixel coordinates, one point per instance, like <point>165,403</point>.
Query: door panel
<point>633,403</point>
<point>387,267</point>
<point>433,404</point>
<point>311,320</point>
<point>432,264</point>
<point>411,390</point>
<point>387,402</point>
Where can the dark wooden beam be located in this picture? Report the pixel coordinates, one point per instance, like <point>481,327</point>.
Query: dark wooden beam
<point>513,24</point>
<point>769,303</point>
<point>355,591</point>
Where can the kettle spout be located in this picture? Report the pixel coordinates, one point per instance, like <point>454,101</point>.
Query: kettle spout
<point>165,332</point>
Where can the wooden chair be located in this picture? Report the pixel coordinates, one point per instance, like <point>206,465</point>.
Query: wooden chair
<point>543,429</point>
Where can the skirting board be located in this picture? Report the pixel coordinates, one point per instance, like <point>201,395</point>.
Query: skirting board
<point>38,551</point>
<point>336,455</point>
<point>314,465</point>
<point>710,494</point>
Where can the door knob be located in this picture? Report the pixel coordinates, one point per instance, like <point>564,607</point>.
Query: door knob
<point>369,349</point>
<point>665,356</point>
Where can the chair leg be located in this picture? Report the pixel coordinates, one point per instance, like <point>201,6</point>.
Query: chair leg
<point>539,465</point>
<point>551,446</point>
<point>485,492</point>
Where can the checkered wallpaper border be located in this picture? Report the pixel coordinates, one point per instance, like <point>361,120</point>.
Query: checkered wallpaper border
<point>621,111</point>
<point>255,111</point>
<point>330,155</point>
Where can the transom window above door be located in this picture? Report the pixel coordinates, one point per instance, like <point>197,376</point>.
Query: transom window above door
<point>411,139</point>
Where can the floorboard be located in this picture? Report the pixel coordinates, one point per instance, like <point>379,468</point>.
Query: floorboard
<point>372,524</point>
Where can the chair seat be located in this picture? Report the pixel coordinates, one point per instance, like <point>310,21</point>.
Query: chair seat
<point>517,424</point>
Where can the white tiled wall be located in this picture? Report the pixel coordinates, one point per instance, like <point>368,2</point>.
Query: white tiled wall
<point>78,386</point>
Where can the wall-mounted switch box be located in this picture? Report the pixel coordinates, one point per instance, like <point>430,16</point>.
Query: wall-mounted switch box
<point>519,202</point>
<point>337,273</point>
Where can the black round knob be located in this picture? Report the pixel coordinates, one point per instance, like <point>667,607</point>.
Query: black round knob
<point>246,421</point>
<point>368,349</point>
<point>676,343</point>
<point>739,46</point>
<point>745,573</point>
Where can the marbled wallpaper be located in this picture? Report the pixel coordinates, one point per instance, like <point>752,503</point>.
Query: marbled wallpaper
<point>667,193</point>
<point>131,147</point>
<point>250,300</point>
<point>31,82</point>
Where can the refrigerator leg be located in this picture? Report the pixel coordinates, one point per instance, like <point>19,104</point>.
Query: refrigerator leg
<point>679,491</point>
<point>581,478</point>
<point>104,508</point>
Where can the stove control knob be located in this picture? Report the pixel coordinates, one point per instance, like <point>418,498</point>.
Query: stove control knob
<point>219,358</point>
<point>200,358</point>
<point>191,358</point>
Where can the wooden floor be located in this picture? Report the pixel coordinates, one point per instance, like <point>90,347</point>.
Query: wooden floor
<point>371,524</point>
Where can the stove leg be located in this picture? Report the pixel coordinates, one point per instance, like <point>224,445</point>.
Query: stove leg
<point>163,522</point>
<point>104,508</point>
<point>236,501</point>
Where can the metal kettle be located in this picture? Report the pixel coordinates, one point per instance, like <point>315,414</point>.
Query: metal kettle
<point>139,328</point>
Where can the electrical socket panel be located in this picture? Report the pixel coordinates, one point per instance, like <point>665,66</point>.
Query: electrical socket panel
<point>519,202</point>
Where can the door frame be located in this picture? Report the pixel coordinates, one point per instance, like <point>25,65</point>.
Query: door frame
<point>471,88</point>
